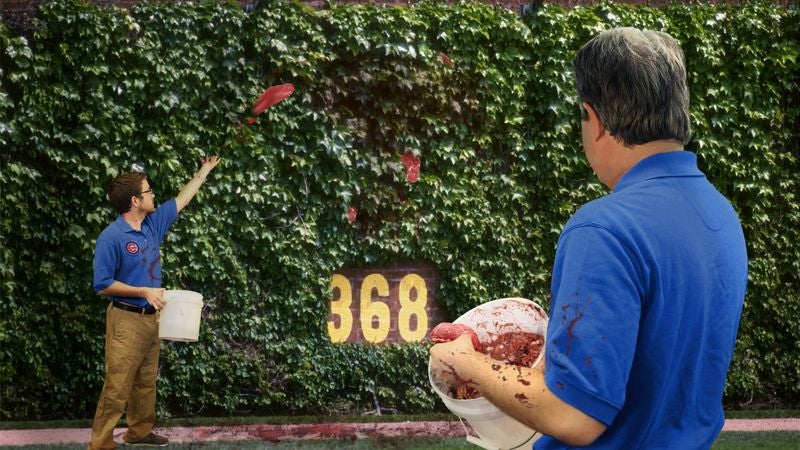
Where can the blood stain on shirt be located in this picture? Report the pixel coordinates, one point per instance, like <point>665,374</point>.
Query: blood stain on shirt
<point>577,310</point>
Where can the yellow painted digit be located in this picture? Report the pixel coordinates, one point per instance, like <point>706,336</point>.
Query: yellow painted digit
<point>410,308</point>
<point>370,309</point>
<point>341,308</point>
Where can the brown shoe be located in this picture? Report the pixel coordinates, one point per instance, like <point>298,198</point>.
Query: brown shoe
<point>151,440</point>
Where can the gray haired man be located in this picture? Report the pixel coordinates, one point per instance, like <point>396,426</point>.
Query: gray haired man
<point>648,282</point>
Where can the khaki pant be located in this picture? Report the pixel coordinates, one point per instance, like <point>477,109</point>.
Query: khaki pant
<point>132,349</point>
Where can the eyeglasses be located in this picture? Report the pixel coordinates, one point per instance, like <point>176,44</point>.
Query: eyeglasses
<point>145,192</point>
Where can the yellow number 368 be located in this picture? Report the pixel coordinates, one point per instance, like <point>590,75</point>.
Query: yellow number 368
<point>381,313</point>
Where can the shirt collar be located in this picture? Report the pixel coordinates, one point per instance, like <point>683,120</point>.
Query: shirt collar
<point>123,225</point>
<point>661,165</point>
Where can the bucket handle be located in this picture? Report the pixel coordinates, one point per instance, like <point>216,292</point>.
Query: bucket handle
<point>526,441</point>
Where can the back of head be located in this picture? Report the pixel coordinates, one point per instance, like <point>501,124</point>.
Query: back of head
<point>636,82</point>
<point>122,188</point>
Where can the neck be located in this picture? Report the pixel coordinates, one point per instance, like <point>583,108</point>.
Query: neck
<point>134,219</point>
<point>651,148</point>
<point>630,156</point>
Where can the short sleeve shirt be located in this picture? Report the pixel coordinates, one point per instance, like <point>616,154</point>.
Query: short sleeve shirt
<point>130,256</point>
<point>647,291</point>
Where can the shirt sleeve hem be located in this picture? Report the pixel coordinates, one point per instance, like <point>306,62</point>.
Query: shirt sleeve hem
<point>587,403</point>
<point>102,286</point>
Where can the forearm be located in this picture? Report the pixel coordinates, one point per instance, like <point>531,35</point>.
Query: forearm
<point>120,289</point>
<point>192,187</point>
<point>153,296</point>
<point>520,392</point>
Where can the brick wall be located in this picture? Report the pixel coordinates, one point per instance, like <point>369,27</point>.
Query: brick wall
<point>10,6</point>
<point>514,5</point>
<point>16,14</point>
<point>28,5</point>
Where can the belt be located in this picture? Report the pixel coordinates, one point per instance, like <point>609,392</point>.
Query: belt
<point>136,309</point>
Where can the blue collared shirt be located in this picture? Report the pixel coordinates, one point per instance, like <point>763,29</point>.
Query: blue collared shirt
<point>647,291</point>
<point>133,257</point>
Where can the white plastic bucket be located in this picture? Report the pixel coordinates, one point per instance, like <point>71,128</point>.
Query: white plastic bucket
<point>495,429</point>
<point>180,318</point>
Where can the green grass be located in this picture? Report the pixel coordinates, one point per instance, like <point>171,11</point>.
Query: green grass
<point>773,440</point>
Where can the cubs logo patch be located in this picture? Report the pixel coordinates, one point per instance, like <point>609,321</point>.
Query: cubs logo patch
<point>132,248</point>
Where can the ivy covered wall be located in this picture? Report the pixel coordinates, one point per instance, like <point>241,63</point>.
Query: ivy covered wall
<point>484,98</point>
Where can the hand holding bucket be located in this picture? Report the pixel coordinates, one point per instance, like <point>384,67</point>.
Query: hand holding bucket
<point>494,428</point>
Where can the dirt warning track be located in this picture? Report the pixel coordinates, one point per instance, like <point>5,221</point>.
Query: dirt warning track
<point>276,433</point>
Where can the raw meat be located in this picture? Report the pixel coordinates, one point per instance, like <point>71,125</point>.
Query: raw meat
<point>446,332</point>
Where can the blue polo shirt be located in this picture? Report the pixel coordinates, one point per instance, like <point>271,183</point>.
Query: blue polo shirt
<point>647,291</point>
<point>130,256</point>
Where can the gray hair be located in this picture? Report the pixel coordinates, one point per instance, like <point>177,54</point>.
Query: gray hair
<point>636,82</point>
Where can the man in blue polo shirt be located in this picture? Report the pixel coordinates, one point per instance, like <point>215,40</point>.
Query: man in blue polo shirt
<point>127,268</point>
<point>648,282</point>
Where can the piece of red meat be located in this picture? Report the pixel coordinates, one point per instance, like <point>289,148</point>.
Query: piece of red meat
<point>446,332</point>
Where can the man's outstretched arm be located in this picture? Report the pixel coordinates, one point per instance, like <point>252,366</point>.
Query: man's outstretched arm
<point>190,189</point>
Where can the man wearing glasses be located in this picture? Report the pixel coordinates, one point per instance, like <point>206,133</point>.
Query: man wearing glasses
<point>127,268</point>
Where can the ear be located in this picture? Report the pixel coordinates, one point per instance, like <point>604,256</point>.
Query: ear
<point>596,128</point>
